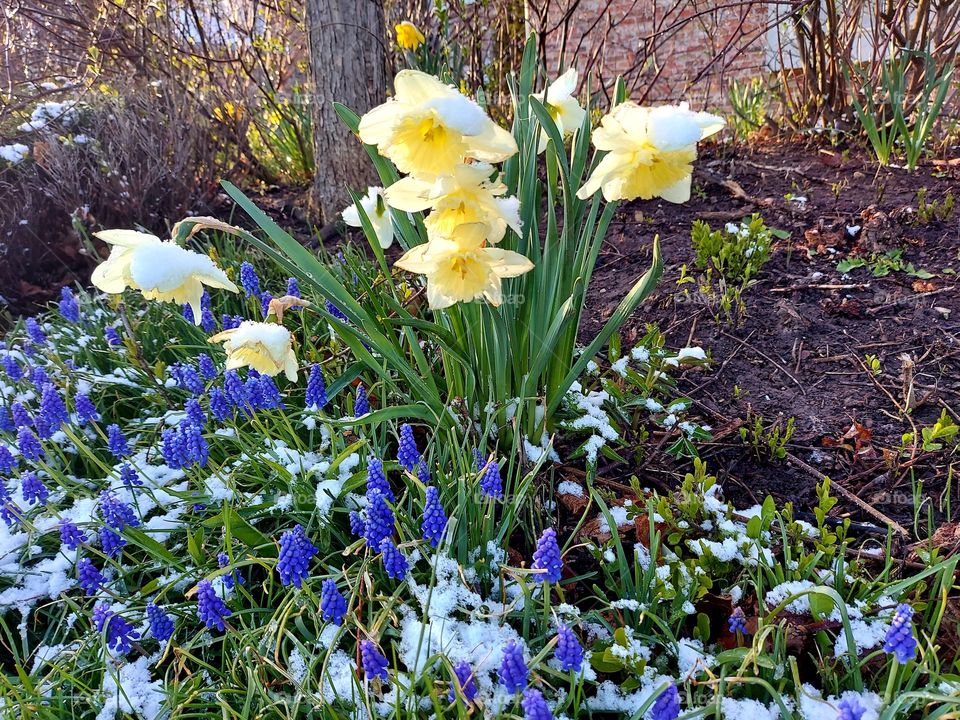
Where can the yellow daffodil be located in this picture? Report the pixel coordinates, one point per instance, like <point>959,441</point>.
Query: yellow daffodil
<point>375,206</point>
<point>564,109</point>
<point>409,36</point>
<point>265,347</point>
<point>428,128</point>
<point>468,195</point>
<point>462,268</point>
<point>159,270</point>
<point>650,152</point>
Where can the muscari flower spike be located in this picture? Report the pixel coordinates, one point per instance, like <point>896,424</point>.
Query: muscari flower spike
<point>547,556</point>
<point>407,453</point>
<point>667,705</point>
<point>361,404</point>
<point>71,536</point>
<point>189,379</point>
<point>120,633</point>
<point>358,526</point>
<point>333,605</point>
<point>235,390</point>
<point>293,287</point>
<point>161,625</point>
<point>115,512</point>
<point>230,579</point>
<point>117,443</point>
<point>249,280</point>
<point>296,550</point>
<point>52,406</point>
<point>316,389</point>
<point>8,463</point>
<point>394,561</point>
<point>111,543</point>
<point>21,416</point>
<point>491,483</point>
<point>377,479</point>
<point>380,519</point>
<point>738,621</point>
<point>194,412</point>
<point>210,608</point>
<point>89,577</point>
<point>850,709</point>
<point>86,410</point>
<point>6,420</point>
<point>513,670</point>
<point>206,367</point>
<point>464,683</point>
<point>35,332</point>
<point>374,664</point>
<point>568,652</point>
<point>434,518</point>
<point>12,368</point>
<point>335,311</point>
<point>269,393</point>
<point>68,305</point>
<point>899,640</point>
<point>28,444</point>
<point>112,336</point>
<point>33,489</point>
<point>9,512</point>
<point>219,406</point>
<point>534,706</point>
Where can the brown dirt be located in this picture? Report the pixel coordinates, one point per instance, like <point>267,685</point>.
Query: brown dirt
<point>800,350</point>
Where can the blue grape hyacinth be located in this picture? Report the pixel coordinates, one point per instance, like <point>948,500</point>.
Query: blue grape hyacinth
<point>372,661</point>
<point>434,518</point>
<point>219,406</point>
<point>231,579</point>
<point>491,483</point>
<point>667,704</point>
<point>296,550</point>
<point>407,453</point>
<point>120,633</point>
<point>293,288</point>
<point>129,476</point>
<point>513,670</point>
<point>35,332</point>
<point>71,536</point>
<point>534,706</point>
<point>206,367</point>
<point>28,444</point>
<point>117,442</point>
<point>112,336</point>
<point>115,512</point>
<point>361,403</point>
<point>68,305</point>
<point>249,280</point>
<point>547,556</point>
<point>316,389</point>
<point>377,479</point>
<point>8,463</point>
<point>333,605</point>
<point>569,652</point>
<point>161,626</point>
<point>86,410</point>
<point>210,608</point>
<point>899,640</point>
<point>380,519</point>
<point>464,683</point>
<point>33,489</point>
<point>394,561</point>
<point>737,623</point>
<point>111,543</point>
<point>89,578</point>
<point>850,709</point>
<point>52,407</point>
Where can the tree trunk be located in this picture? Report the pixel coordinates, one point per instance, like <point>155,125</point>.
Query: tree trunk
<point>348,65</point>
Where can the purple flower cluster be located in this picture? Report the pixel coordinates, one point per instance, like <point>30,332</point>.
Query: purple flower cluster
<point>372,661</point>
<point>546,557</point>
<point>115,512</point>
<point>534,706</point>
<point>210,608</point>
<point>161,626</point>
<point>117,442</point>
<point>316,389</point>
<point>8,463</point>
<point>86,410</point>
<point>249,280</point>
<point>29,444</point>
<point>850,709</point>
<point>71,536</point>
<point>207,320</point>
<point>899,640</point>
<point>464,686</point>
<point>434,520</point>
<point>569,652</point>
<point>120,633</point>
<point>407,453</point>
<point>232,579</point>
<point>379,521</point>
<point>377,479</point>
<point>33,489</point>
<point>394,561</point>
<point>89,577</point>
<point>184,446</point>
<point>361,404</point>
<point>667,704</point>
<point>296,550</point>
<point>737,622</point>
<point>491,483</point>
<point>513,670</point>
<point>112,336</point>
<point>68,305</point>
<point>333,605</point>
<point>206,367</point>
<point>111,543</point>
<point>34,331</point>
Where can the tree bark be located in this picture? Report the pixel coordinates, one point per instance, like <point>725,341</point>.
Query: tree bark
<point>348,65</point>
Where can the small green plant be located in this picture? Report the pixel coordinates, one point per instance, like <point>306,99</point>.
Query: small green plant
<point>749,102</point>
<point>281,138</point>
<point>934,210</point>
<point>882,264</point>
<point>890,116</point>
<point>873,363</point>
<point>729,260</point>
<point>771,441</point>
<point>943,432</point>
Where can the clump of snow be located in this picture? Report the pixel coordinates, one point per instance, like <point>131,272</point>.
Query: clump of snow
<point>131,690</point>
<point>14,153</point>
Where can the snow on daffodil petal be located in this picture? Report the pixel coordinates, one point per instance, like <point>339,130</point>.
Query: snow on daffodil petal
<point>462,268</point>
<point>428,127</point>
<point>650,152</point>
<point>374,204</point>
<point>564,109</point>
<point>468,195</point>
<point>265,347</point>
<point>160,270</point>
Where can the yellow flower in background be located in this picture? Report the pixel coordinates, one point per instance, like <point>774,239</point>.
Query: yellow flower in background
<point>409,36</point>
<point>374,204</point>
<point>265,347</point>
<point>564,109</point>
<point>461,268</point>
<point>159,270</point>
<point>428,128</point>
<point>468,195</point>
<point>650,152</point>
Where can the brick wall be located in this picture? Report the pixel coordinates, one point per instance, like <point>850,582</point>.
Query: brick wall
<point>665,49</point>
